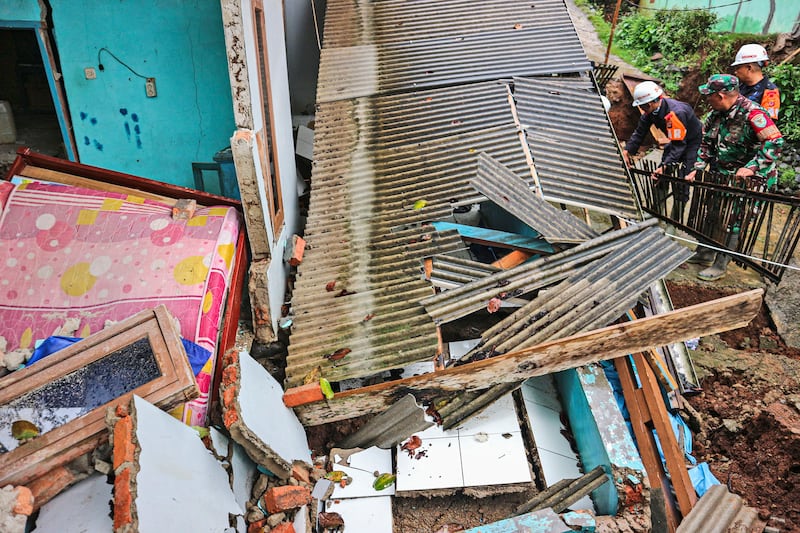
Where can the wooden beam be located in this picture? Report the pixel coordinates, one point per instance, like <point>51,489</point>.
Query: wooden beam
<point>614,341</point>
<point>512,259</point>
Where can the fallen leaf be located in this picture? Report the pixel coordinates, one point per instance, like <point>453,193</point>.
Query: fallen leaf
<point>336,475</point>
<point>337,355</point>
<point>412,444</point>
<point>369,317</point>
<point>383,481</point>
<point>330,520</point>
<point>313,376</point>
<point>330,286</point>
<point>326,388</point>
<point>494,305</point>
<point>419,204</point>
<point>24,429</point>
<point>517,26</point>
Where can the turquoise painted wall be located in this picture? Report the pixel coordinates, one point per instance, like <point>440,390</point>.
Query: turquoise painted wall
<point>178,42</point>
<point>20,10</point>
<point>740,16</point>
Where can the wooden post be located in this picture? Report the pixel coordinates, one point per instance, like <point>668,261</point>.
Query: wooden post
<point>613,27</point>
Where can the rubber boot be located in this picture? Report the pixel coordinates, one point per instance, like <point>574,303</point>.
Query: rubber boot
<point>702,256</point>
<point>720,266</point>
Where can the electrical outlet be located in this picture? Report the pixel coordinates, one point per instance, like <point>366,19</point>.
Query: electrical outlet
<point>150,87</point>
<point>90,73</point>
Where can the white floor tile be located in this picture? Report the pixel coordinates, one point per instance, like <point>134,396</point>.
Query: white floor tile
<point>459,348</point>
<point>497,460</point>
<point>438,468</point>
<point>542,390</point>
<point>499,417</point>
<point>361,469</point>
<point>364,514</point>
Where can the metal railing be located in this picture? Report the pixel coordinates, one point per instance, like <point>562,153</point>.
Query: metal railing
<point>768,224</point>
<point>602,74</point>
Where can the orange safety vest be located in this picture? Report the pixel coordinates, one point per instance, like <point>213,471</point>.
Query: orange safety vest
<point>676,131</point>
<point>771,101</point>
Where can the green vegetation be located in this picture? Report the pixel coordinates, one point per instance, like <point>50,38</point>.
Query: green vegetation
<point>786,178</point>
<point>787,78</point>
<point>686,40</point>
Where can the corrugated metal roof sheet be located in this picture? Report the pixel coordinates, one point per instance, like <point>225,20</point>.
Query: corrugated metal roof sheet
<point>592,297</point>
<point>363,294</point>
<point>573,145</point>
<point>390,427</point>
<point>720,511</point>
<point>350,23</point>
<point>527,277</point>
<point>386,164</point>
<point>494,181</point>
<point>391,46</point>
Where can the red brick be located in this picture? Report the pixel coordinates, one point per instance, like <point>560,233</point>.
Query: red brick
<point>257,527</point>
<point>230,417</point>
<point>298,249</point>
<point>123,442</point>
<point>230,375</point>
<point>46,487</point>
<point>122,499</point>
<point>284,498</point>
<point>302,395</point>
<point>283,527</point>
<point>230,357</point>
<point>300,473</point>
<point>121,410</point>
<point>228,396</point>
<point>24,503</point>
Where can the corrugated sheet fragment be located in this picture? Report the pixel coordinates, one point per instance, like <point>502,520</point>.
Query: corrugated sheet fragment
<point>720,511</point>
<point>527,277</point>
<point>573,145</point>
<point>592,297</point>
<point>448,272</point>
<point>504,188</point>
<point>391,427</point>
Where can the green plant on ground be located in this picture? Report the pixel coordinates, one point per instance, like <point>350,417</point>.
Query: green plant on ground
<point>787,78</point>
<point>786,178</point>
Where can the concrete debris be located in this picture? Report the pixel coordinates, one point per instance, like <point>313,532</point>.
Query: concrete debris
<point>16,504</point>
<point>82,507</point>
<point>248,392</point>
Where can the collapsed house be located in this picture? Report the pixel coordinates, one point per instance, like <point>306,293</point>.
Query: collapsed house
<point>473,251</point>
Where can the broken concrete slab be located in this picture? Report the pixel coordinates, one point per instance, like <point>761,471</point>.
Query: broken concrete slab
<point>255,415</point>
<point>82,507</point>
<point>16,504</point>
<point>242,470</point>
<point>166,479</point>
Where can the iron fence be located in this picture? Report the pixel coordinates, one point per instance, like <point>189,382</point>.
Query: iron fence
<point>602,74</point>
<point>767,224</point>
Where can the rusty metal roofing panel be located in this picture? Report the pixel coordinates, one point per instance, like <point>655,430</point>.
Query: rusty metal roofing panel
<point>363,295</point>
<point>592,297</point>
<point>573,144</point>
<point>527,277</point>
<point>505,189</point>
<point>371,69</point>
<point>350,22</point>
<point>720,511</point>
<point>448,271</point>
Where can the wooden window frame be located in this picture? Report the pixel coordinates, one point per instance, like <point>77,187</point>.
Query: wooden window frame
<point>267,150</point>
<point>61,445</point>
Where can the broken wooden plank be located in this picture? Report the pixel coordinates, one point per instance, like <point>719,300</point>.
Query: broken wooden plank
<point>512,259</point>
<point>698,320</point>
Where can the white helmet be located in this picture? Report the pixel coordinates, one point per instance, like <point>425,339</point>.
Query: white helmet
<point>750,53</point>
<point>647,91</point>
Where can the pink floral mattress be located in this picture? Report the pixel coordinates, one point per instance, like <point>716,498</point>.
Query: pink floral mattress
<point>68,252</point>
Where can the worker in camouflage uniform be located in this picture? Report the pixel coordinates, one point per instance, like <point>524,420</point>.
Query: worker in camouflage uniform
<point>741,144</point>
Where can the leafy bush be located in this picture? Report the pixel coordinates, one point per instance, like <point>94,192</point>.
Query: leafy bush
<point>787,78</point>
<point>786,178</point>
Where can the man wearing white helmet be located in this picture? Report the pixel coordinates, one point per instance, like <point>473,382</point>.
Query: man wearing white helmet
<point>754,85</point>
<point>681,126</point>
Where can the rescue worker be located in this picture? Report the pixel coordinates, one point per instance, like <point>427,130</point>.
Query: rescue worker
<point>748,65</point>
<point>742,144</point>
<point>679,123</point>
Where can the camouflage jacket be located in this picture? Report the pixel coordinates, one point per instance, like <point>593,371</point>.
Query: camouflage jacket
<point>743,136</point>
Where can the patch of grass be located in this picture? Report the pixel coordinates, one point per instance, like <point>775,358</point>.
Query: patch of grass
<point>603,30</point>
